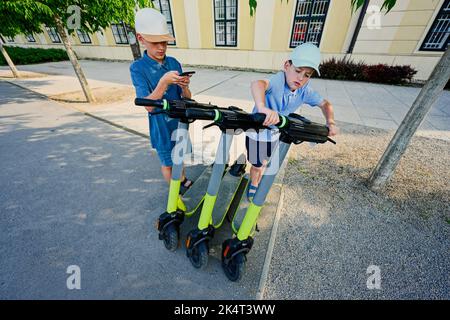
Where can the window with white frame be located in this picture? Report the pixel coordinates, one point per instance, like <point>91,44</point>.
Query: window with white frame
<point>225,22</point>
<point>309,21</point>
<point>83,36</point>
<point>119,33</point>
<point>164,7</point>
<point>30,38</point>
<point>53,34</point>
<point>437,38</point>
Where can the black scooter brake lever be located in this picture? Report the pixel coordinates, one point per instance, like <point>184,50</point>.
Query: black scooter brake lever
<point>157,112</point>
<point>209,125</point>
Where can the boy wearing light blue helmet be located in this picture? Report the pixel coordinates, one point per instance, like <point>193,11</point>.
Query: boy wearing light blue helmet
<point>284,93</point>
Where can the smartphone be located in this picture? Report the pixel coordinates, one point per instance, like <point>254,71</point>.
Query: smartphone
<point>187,73</point>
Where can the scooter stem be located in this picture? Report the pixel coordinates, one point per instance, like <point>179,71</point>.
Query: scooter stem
<point>177,168</point>
<point>220,161</point>
<point>253,211</point>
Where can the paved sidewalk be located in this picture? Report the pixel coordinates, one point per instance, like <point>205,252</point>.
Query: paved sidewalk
<point>76,191</point>
<point>374,105</point>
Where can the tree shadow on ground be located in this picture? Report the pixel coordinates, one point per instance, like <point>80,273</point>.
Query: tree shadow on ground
<point>76,191</point>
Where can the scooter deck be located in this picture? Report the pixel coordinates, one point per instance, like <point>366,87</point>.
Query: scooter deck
<point>193,198</point>
<point>241,210</point>
<point>226,194</point>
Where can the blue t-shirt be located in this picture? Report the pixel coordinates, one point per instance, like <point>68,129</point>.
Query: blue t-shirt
<point>281,99</point>
<point>145,75</point>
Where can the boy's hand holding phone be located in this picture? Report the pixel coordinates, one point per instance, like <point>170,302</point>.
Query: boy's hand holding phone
<point>184,83</point>
<point>187,73</point>
<point>171,77</point>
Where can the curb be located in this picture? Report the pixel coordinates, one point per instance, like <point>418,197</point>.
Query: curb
<point>273,232</point>
<point>270,247</point>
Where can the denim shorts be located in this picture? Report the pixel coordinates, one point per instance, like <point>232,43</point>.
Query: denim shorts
<point>259,151</point>
<point>161,129</point>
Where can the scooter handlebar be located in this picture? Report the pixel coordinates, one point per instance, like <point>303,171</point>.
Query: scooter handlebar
<point>198,111</point>
<point>261,117</point>
<point>200,114</point>
<point>149,103</point>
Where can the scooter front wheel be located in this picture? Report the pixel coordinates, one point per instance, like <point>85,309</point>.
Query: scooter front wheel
<point>199,256</point>
<point>235,267</point>
<point>170,237</point>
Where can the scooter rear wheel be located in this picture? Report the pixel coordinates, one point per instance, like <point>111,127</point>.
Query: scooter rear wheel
<point>170,237</point>
<point>199,256</point>
<point>235,268</point>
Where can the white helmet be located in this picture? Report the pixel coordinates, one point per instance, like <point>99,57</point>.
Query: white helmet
<point>152,25</point>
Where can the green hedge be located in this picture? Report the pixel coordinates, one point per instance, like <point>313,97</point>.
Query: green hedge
<point>33,55</point>
<point>345,69</point>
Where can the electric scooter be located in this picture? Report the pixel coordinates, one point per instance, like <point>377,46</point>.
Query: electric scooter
<point>294,129</point>
<point>178,208</point>
<point>221,190</point>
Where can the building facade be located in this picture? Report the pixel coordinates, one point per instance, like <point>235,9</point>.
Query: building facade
<point>223,33</point>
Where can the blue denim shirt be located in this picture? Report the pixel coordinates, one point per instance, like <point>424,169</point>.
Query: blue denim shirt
<point>281,99</point>
<point>145,75</point>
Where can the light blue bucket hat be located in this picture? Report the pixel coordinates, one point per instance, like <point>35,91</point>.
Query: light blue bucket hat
<point>306,55</point>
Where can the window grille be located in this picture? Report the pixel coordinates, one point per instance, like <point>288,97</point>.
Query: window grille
<point>30,38</point>
<point>309,20</point>
<point>437,38</point>
<point>164,7</point>
<point>119,33</point>
<point>53,34</point>
<point>225,22</point>
<point>83,36</point>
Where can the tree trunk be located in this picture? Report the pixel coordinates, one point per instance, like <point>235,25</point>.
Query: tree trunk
<point>426,99</point>
<point>132,40</point>
<point>9,61</point>
<point>73,59</point>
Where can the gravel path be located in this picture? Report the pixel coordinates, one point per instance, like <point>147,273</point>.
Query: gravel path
<point>333,227</point>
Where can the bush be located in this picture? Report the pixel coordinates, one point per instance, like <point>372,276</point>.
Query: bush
<point>342,70</point>
<point>381,73</point>
<point>33,55</point>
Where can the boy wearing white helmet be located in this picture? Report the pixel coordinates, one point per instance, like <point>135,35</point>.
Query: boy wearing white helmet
<point>157,76</point>
<point>283,94</point>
